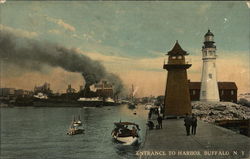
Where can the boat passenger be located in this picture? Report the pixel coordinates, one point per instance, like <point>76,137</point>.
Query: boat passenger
<point>134,132</point>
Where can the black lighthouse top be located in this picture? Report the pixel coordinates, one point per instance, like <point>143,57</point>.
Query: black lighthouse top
<point>177,50</point>
<point>209,40</point>
<point>209,33</point>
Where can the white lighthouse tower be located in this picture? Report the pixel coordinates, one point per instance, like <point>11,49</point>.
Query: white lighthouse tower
<point>209,87</point>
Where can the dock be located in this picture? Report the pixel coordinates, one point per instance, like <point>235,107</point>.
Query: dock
<point>210,141</point>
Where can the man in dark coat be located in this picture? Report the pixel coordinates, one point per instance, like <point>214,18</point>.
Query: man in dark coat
<point>194,124</point>
<point>187,124</point>
<point>159,119</point>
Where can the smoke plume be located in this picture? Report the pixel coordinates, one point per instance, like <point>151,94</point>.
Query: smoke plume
<point>32,54</point>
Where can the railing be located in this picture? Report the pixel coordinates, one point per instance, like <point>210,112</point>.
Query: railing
<point>187,61</point>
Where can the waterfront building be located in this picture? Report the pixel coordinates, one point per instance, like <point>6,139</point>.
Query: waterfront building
<point>23,93</point>
<point>70,89</point>
<point>5,92</point>
<point>45,89</point>
<point>227,91</point>
<point>104,89</point>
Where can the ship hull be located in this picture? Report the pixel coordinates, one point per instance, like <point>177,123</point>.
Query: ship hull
<point>51,103</point>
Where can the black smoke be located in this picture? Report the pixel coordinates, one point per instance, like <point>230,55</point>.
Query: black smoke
<point>33,54</point>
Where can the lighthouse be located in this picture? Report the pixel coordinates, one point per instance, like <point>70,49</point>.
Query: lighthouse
<point>209,87</point>
<point>177,98</point>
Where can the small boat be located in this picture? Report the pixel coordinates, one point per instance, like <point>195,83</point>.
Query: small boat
<point>75,127</point>
<point>131,105</point>
<point>78,122</point>
<point>126,133</point>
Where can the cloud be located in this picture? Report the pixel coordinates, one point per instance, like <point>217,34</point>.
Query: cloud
<point>126,63</point>
<point>61,23</point>
<point>203,8</point>
<point>150,77</point>
<point>179,30</point>
<point>248,4</point>
<point>2,1</point>
<point>58,84</point>
<point>18,32</point>
<point>54,31</point>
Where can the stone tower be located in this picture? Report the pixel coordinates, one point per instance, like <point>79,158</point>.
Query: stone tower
<point>209,87</point>
<point>177,98</point>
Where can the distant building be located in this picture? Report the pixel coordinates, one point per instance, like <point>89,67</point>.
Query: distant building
<point>104,89</point>
<point>227,91</point>
<point>45,89</point>
<point>22,92</point>
<point>6,92</point>
<point>81,88</point>
<point>70,89</point>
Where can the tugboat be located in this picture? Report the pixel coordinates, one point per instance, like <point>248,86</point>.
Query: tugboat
<point>75,127</point>
<point>126,133</point>
<point>132,104</point>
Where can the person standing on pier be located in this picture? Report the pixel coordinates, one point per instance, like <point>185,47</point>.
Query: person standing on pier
<point>149,114</point>
<point>194,124</point>
<point>187,124</point>
<point>159,119</point>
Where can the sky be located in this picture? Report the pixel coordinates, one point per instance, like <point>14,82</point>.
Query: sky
<point>130,39</point>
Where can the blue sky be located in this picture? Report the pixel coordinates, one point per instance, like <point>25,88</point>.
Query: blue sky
<point>134,31</point>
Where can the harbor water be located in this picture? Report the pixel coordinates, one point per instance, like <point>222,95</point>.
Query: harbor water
<point>40,133</point>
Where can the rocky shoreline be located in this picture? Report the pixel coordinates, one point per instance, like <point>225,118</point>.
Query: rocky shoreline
<point>212,111</point>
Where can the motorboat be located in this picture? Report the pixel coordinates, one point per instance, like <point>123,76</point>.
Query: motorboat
<point>126,133</point>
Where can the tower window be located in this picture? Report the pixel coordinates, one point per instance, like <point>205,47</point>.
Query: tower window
<point>193,92</point>
<point>210,75</point>
<point>232,92</point>
<point>173,57</point>
<point>203,93</point>
<point>222,92</point>
<point>179,57</point>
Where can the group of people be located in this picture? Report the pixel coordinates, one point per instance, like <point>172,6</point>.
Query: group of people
<point>190,122</point>
<point>153,111</point>
<point>151,125</point>
<point>159,118</point>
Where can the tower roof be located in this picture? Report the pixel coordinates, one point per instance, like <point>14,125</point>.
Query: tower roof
<point>209,33</point>
<point>177,50</point>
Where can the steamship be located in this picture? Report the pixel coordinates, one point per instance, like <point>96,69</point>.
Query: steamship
<point>97,95</point>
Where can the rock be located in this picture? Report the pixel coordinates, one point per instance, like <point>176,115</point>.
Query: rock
<point>211,113</point>
<point>198,107</point>
<point>235,115</point>
<point>220,108</point>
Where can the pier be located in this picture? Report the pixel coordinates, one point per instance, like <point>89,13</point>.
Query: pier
<point>210,141</point>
